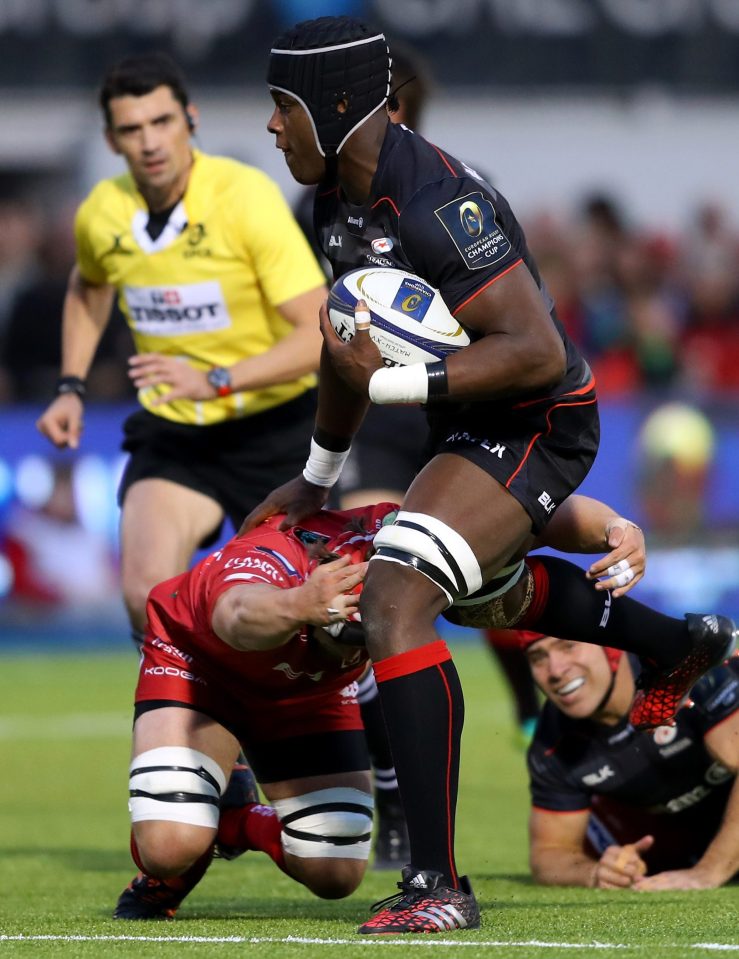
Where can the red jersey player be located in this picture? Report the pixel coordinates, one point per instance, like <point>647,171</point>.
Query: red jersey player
<point>245,651</point>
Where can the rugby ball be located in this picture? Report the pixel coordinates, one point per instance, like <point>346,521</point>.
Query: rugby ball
<point>410,321</point>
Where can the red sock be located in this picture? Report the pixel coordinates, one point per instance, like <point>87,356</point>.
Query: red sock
<point>135,853</point>
<point>253,827</point>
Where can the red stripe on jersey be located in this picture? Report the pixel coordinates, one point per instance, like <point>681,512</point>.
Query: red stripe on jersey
<point>536,437</point>
<point>590,385</point>
<point>411,661</point>
<point>562,812</point>
<point>489,283</point>
<point>444,160</point>
<point>386,199</point>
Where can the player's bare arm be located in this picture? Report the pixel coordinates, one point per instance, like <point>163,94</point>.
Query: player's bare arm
<point>585,525</point>
<point>252,617</point>
<point>293,356</point>
<point>720,862</point>
<point>557,857</point>
<point>520,350</point>
<point>86,314</point>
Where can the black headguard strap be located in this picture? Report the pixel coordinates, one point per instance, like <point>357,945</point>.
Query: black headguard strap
<point>321,62</point>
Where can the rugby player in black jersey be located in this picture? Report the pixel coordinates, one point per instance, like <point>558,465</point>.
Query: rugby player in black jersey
<point>514,430</point>
<point>648,810</point>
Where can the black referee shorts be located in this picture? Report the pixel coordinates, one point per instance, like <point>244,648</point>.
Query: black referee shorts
<point>236,463</point>
<point>387,452</point>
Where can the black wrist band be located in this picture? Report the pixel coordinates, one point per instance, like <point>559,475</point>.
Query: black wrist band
<point>71,384</point>
<point>438,382</point>
<point>331,442</point>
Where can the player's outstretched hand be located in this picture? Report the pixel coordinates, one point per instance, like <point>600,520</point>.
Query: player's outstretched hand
<point>327,592</point>
<point>622,568</point>
<point>184,381</point>
<point>357,360</point>
<point>678,879</point>
<point>297,499</point>
<point>62,421</point>
<point>620,867</point>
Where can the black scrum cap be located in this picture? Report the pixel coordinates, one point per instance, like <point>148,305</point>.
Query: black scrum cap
<point>320,62</point>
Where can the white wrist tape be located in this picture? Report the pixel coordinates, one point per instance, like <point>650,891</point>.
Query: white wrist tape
<point>324,466</point>
<point>400,384</point>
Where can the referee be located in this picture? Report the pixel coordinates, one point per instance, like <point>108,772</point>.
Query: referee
<point>221,293</point>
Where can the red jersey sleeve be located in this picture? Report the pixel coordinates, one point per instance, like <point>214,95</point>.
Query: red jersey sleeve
<point>263,557</point>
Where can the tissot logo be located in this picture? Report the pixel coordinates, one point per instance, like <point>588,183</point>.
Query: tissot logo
<point>177,310</point>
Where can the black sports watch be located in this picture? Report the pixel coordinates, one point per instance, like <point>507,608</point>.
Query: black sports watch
<point>220,379</point>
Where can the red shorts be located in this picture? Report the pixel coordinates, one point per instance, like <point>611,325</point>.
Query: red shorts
<point>324,721</point>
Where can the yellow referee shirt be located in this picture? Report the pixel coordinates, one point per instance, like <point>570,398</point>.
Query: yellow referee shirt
<point>207,288</point>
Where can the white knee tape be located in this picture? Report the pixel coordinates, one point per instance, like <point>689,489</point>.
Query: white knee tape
<point>505,579</point>
<point>176,784</point>
<point>335,823</point>
<point>434,549</point>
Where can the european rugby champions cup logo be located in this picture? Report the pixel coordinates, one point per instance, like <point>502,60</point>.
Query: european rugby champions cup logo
<point>413,299</point>
<point>470,216</point>
<point>471,224</point>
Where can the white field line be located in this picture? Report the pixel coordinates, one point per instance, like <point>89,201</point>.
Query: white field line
<point>380,941</point>
<point>65,726</point>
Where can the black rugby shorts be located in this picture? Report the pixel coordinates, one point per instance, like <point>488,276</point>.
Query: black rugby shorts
<point>539,451</point>
<point>236,463</point>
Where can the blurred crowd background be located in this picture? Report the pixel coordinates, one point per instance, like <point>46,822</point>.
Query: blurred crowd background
<point>610,125</point>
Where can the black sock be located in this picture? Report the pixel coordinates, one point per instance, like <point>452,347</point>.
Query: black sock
<point>375,731</point>
<point>423,706</point>
<point>566,605</point>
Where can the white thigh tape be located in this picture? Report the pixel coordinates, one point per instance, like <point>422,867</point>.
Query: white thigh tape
<point>327,823</point>
<point>434,549</point>
<point>176,784</point>
<point>504,580</point>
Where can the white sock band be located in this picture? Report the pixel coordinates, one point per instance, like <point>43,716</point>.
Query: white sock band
<point>400,384</point>
<point>324,466</point>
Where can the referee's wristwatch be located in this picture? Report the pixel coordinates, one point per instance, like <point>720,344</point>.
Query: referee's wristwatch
<point>219,378</point>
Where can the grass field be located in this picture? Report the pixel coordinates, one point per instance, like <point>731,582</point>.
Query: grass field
<point>64,739</point>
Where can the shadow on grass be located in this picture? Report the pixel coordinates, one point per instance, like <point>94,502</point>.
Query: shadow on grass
<point>353,909</point>
<point>84,860</point>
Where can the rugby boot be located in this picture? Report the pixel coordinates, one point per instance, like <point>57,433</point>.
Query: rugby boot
<point>425,905</point>
<point>241,791</point>
<point>661,691</point>
<point>147,898</point>
<point>392,847</point>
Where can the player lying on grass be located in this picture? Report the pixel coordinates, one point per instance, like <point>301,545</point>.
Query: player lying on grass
<point>250,649</point>
<point>619,808</point>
